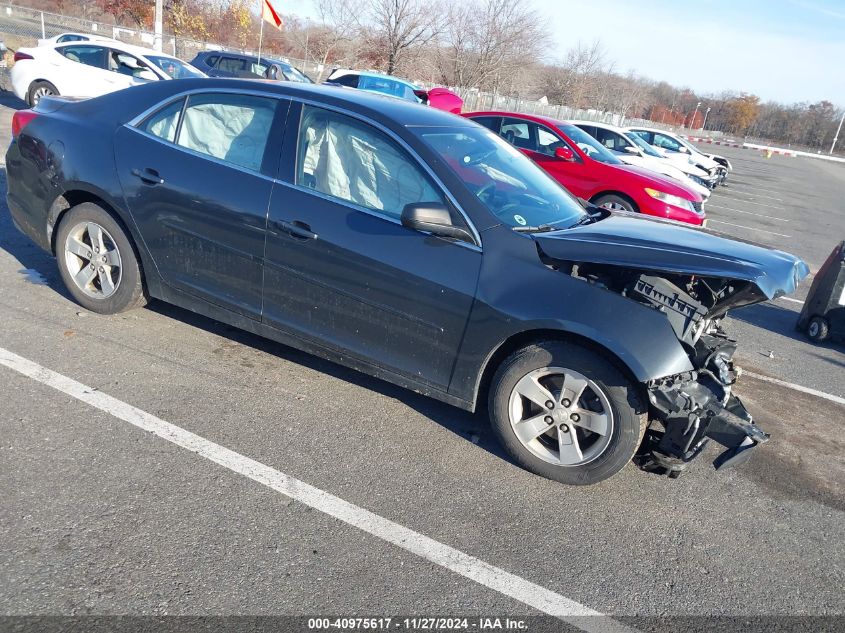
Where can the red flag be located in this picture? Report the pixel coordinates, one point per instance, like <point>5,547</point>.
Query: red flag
<point>269,13</point>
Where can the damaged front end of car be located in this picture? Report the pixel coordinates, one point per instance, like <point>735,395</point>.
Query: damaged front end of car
<point>693,277</point>
<point>690,409</point>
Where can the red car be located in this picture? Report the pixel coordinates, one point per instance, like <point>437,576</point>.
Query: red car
<point>590,171</point>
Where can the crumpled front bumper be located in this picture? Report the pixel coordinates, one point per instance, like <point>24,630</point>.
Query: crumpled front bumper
<point>699,406</point>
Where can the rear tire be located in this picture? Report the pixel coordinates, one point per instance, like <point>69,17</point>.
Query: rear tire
<point>38,90</point>
<point>593,427</point>
<point>97,261</point>
<point>818,329</point>
<point>615,203</point>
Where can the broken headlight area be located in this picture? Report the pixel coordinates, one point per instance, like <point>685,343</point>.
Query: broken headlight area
<point>689,410</point>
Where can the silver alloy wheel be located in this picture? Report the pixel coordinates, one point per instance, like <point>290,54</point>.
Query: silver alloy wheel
<point>814,328</point>
<point>93,260</point>
<point>561,416</point>
<point>39,93</point>
<point>613,206</point>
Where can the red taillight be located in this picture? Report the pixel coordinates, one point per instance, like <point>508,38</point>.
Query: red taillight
<point>20,119</point>
<point>19,56</point>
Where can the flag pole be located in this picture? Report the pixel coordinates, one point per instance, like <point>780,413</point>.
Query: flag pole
<point>261,32</point>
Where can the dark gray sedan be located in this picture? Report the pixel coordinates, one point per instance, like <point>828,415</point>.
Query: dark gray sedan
<point>407,243</point>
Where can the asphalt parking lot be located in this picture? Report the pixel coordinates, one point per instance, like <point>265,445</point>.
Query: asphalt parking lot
<point>102,517</point>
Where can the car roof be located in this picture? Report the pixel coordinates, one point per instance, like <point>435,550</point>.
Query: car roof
<point>606,126</point>
<point>372,73</point>
<point>537,118</point>
<point>372,105</point>
<point>118,45</point>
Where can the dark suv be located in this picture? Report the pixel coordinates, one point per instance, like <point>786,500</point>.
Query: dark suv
<point>226,64</point>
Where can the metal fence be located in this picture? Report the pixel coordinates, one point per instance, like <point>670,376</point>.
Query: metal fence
<point>21,26</point>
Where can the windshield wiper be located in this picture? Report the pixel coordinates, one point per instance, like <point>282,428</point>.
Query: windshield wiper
<point>543,228</point>
<point>586,219</point>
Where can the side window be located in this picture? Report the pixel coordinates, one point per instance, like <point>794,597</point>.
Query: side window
<point>212,60</point>
<point>354,162</point>
<point>667,143</point>
<point>646,136</point>
<point>490,122</point>
<point>89,55</point>
<point>611,140</point>
<point>548,142</point>
<point>257,68</point>
<point>231,65</point>
<point>165,122</point>
<point>518,133</point>
<point>230,127</point>
<point>125,64</point>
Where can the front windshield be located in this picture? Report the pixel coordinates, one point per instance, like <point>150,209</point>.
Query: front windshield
<point>509,184</point>
<point>293,74</point>
<point>590,146</point>
<point>637,140</point>
<point>174,68</point>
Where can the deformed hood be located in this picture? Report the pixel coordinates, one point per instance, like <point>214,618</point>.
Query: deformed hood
<point>633,241</point>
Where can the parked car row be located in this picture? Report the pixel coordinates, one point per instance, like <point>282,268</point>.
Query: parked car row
<point>634,170</point>
<point>413,245</point>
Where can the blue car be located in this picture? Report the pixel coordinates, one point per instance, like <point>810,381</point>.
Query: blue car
<point>376,82</point>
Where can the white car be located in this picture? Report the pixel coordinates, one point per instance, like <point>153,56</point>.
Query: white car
<point>66,38</point>
<point>631,152</point>
<point>90,69</point>
<point>676,148</point>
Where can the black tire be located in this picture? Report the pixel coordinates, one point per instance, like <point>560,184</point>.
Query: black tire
<point>613,199</point>
<point>38,89</point>
<point>818,329</point>
<point>629,418</point>
<point>128,292</point>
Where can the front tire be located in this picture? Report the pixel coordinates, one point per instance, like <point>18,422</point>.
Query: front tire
<point>615,203</point>
<point>566,413</point>
<point>97,261</point>
<point>818,329</point>
<point>38,90</point>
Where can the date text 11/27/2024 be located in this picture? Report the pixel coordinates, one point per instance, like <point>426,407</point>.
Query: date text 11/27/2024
<point>418,624</point>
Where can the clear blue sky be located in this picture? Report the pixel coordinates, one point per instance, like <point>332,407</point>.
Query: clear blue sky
<point>786,50</point>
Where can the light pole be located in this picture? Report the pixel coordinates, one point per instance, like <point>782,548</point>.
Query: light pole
<point>159,27</point>
<point>706,112</point>
<point>695,114</point>
<point>307,33</point>
<point>836,136</point>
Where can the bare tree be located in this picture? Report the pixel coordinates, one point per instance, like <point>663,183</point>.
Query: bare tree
<point>400,25</point>
<point>489,40</point>
<point>338,28</point>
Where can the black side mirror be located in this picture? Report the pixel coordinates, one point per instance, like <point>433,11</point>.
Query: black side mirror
<point>433,218</point>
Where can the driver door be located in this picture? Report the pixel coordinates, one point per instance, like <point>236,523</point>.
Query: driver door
<point>340,268</point>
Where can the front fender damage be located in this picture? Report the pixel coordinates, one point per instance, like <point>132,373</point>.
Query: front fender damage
<point>699,406</point>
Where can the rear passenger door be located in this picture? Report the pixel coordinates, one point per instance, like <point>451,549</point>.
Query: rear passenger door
<point>197,178</point>
<point>85,72</point>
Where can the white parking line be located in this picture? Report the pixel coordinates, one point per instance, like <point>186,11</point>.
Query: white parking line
<point>792,300</point>
<point>757,188</point>
<point>759,204</point>
<point>750,228</point>
<point>792,385</point>
<point>749,193</point>
<point>759,215</point>
<point>463,564</point>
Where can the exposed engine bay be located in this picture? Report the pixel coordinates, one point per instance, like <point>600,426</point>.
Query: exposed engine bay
<point>688,410</point>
